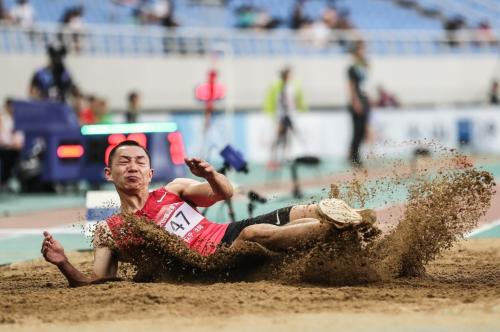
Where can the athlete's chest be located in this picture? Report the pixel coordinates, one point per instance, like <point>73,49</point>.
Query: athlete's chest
<point>173,214</point>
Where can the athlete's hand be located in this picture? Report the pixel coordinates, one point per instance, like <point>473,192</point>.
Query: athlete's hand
<point>52,250</point>
<point>200,167</point>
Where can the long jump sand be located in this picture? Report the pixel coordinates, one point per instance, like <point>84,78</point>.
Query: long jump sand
<point>460,292</point>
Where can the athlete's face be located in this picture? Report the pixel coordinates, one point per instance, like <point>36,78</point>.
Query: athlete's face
<point>129,170</point>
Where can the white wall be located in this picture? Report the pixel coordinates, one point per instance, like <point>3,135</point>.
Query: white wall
<point>168,83</point>
<point>393,133</point>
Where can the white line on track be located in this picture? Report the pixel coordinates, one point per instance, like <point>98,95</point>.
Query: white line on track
<point>7,232</point>
<point>483,228</point>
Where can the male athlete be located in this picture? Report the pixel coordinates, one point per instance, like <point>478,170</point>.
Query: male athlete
<point>172,207</point>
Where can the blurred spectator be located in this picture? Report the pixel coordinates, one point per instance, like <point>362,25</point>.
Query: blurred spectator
<point>359,105</point>
<point>159,12</point>
<point>87,114</point>
<point>78,104</point>
<point>133,107</point>
<point>493,94</point>
<point>343,21</point>
<point>3,13</point>
<point>53,81</point>
<point>484,33</point>
<point>73,27</point>
<point>319,32</point>
<point>251,17</point>
<point>101,111</point>
<point>452,27</point>
<point>283,100</point>
<point>11,144</point>
<point>386,99</point>
<point>163,11</point>
<point>22,14</point>
<point>94,110</point>
<point>299,19</point>
<point>344,24</point>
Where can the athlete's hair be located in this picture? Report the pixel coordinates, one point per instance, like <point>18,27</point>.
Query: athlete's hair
<point>126,143</point>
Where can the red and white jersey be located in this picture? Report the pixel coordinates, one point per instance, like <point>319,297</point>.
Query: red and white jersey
<point>177,217</point>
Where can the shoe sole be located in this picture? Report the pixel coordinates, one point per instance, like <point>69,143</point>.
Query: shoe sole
<point>338,213</point>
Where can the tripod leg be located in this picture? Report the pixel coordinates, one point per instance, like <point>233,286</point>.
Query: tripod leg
<point>232,216</point>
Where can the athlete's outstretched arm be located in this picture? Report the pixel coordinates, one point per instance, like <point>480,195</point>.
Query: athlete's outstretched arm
<point>216,188</point>
<point>105,263</point>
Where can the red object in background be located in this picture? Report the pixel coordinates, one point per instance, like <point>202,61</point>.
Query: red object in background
<point>115,139</point>
<point>70,151</point>
<point>210,91</point>
<point>87,117</point>
<point>177,153</point>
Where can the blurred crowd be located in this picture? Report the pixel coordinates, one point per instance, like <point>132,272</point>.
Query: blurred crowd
<point>314,30</point>
<point>54,82</point>
<point>160,12</point>
<point>72,20</point>
<point>317,31</point>
<point>457,27</point>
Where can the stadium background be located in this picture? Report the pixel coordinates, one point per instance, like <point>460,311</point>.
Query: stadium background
<point>441,78</point>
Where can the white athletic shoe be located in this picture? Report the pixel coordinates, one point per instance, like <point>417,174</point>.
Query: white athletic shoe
<point>341,215</point>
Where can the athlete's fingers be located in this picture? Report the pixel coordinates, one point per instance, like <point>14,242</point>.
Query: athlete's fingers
<point>189,161</point>
<point>48,236</point>
<point>203,164</point>
<point>192,160</point>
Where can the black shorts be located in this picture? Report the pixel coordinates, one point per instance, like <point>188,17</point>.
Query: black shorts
<point>278,217</point>
<point>286,122</point>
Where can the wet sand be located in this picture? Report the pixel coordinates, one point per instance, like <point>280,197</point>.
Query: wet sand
<point>460,291</point>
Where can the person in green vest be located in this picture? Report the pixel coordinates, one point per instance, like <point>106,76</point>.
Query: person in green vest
<point>284,98</point>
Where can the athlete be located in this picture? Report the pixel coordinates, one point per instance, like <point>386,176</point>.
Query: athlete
<point>173,207</point>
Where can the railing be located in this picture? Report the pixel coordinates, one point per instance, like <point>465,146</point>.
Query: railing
<point>120,40</point>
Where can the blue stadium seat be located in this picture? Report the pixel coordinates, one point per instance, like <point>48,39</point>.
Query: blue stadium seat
<point>365,14</point>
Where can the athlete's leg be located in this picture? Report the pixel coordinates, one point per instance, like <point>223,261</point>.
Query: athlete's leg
<point>278,141</point>
<point>335,209</point>
<point>329,212</point>
<point>280,238</point>
<point>301,221</point>
<point>304,211</point>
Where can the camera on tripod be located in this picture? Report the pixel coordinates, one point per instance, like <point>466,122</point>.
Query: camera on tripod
<point>233,158</point>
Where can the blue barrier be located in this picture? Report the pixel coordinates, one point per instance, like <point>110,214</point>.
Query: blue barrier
<point>68,153</point>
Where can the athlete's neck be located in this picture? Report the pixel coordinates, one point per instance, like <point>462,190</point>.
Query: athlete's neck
<point>131,202</point>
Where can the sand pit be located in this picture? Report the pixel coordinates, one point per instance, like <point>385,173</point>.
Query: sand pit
<point>405,278</point>
<point>460,291</point>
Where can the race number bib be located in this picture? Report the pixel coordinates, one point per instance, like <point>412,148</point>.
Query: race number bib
<point>182,220</point>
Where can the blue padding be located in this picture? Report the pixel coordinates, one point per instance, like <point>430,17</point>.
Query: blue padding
<point>100,214</point>
<point>43,115</point>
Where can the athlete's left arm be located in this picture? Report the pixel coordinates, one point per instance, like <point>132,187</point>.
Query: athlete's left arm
<point>203,194</point>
